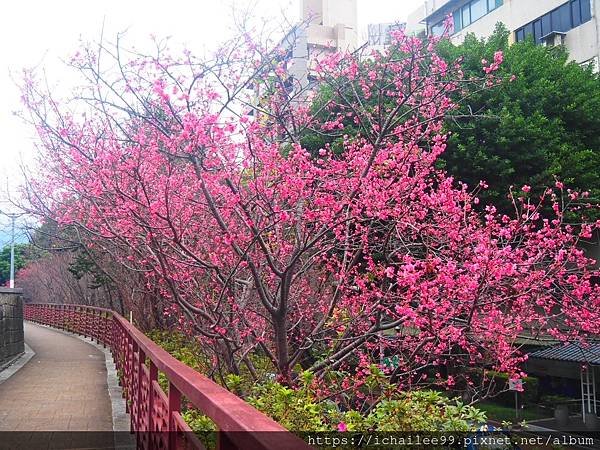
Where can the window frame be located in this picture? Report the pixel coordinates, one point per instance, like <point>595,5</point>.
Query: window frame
<point>457,14</point>
<point>575,6</point>
<point>560,19</point>
<point>481,3</point>
<point>466,8</point>
<point>465,12</point>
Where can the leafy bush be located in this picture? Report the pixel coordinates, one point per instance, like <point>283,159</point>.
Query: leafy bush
<point>182,348</point>
<point>294,409</point>
<point>300,409</point>
<point>416,411</point>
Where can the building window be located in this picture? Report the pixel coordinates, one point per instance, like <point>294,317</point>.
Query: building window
<point>438,29</point>
<point>469,13</point>
<point>586,10</point>
<point>478,9</point>
<point>520,33</point>
<point>576,12</point>
<point>457,16</point>
<point>466,16</point>
<point>546,25</point>
<point>537,31</point>
<point>562,19</point>
<point>493,4</point>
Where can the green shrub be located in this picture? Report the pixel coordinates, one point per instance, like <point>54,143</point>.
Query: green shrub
<point>294,409</point>
<point>182,347</point>
<point>298,408</point>
<point>420,411</point>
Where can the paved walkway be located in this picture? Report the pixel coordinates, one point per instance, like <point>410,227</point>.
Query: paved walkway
<point>62,388</point>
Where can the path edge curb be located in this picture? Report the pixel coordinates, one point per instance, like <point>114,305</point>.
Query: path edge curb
<point>8,369</point>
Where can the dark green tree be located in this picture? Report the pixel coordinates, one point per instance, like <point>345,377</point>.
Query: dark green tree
<point>542,122</point>
<point>21,258</point>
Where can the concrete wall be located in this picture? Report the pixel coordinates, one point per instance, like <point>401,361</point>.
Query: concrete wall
<point>12,339</point>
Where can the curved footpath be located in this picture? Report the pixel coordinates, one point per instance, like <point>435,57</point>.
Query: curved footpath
<point>63,387</point>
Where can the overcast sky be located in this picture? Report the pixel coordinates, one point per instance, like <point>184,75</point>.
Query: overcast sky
<point>41,33</point>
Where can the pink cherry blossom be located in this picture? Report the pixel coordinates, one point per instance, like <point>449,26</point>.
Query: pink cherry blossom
<point>258,245</point>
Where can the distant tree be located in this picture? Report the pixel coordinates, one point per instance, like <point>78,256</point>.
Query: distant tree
<point>542,122</point>
<point>61,268</point>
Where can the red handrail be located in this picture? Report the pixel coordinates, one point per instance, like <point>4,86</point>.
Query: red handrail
<point>155,415</point>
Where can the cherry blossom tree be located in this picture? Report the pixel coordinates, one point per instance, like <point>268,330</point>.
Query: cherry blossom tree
<point>190,173</point>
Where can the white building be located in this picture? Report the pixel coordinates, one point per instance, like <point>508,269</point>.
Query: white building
<point>572,23</point>
<point>327,26</point>
<point>332,23</point>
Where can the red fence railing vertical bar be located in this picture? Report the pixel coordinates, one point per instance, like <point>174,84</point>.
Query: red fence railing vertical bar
<point>93,327</point>
<point>81,321</point>
<point>141,360</point>
<point>103,329</point>
<point>134,385</point>
<point>87,323</point>
<point>174,407</point>
<point>73,319</point>
<point>152,378</point>
<point>75,313</point>
<point>98,315</point>
<point>97,326</point>
<point>155,415</point>
<point>130,373</point>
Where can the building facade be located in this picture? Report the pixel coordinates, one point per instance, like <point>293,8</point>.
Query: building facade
<point>327,26</point>
<point>572,23</point>
<point>331,23</point>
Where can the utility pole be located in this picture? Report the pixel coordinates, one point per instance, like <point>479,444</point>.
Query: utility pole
<point>12,253</point>
<point>12,216</point>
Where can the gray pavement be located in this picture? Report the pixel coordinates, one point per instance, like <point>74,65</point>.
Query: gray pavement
<point>63,387</point>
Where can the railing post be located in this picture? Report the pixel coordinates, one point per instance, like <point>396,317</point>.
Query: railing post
<point>81,321</point>
<point>105,327</point>
<point>97,326</point>
<point>174,406</point>
<point>140,370</point>
<point>135,386</point>
<point>126,373</point>
<point>69,321</point>
<point>76,328</point>
<point>151,379</point>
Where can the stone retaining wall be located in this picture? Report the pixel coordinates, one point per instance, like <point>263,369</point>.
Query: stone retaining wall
<point>12,338</point>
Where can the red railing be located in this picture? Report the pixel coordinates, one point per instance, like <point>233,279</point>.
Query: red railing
<point>155,415</point>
